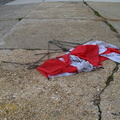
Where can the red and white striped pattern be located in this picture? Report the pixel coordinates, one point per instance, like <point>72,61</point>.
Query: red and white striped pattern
<point>82,58</point>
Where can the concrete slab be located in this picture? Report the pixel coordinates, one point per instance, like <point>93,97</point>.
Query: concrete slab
<point>63,0</point>
<point>107,9</point>
<point>103,0</point>
<point>5,26</point>
<point>116,24</point>
<point>55,11</point>
<point>110,11</point>
<point>19,2</point>
<point>26,94</point>
<point>15,11</point>
<point>34,34</point>
<point>110,99</point>
<point>2,2</point>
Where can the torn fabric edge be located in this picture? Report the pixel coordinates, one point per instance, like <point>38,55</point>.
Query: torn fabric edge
<point>75,61</point>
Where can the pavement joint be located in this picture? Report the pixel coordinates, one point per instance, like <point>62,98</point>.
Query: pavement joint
<point>77,18</point>
<point>97,98</point>
<point>81,18</point>
<point>19,19</point>
<point>104,19</point>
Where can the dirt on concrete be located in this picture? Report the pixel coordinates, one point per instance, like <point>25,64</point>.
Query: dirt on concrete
<point>25,94</point>
<point>28,95</point>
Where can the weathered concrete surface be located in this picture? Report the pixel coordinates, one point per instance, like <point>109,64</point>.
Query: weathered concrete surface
<point>5,26</point>
<point>15,11</point>
<point>103,0</point>
<point>110,11</point>
<point>20,2</point>
<point>10,16</point>
<point>107,9</point>
<point>62,0</point>
<point>48,22</point>
<point>26,94</point>
<point>55,11</point>
<point>110,100</point>
<point>35,34</point>
<point>2,2</point>
<point>116,24</point>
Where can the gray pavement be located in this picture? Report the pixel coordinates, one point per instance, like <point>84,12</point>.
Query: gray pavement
<point>11,14</point>
<point>18,2</point>
<point>6,25</point>
<point>22,2</point>
<point>103,1</point>
<point>2,2</point>
<point>28,95</point>
<point>52,20</point>
<point>109,10</point>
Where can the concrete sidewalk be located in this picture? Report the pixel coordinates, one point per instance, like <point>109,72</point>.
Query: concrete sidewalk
<point>109,10</point>
<point>25,29</point>
<point>51,20</point>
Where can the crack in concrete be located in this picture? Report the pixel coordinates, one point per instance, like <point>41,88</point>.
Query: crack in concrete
<point>100,112</point>
<point>104,19</point>
<point>97,98</point>
<point>33,9</point>
<point>20,18</point>
<point>116,20</point>
<point>110,78</point>
<point>96,101</point>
